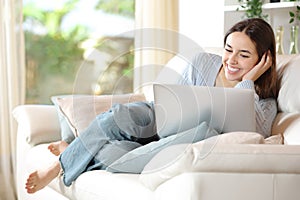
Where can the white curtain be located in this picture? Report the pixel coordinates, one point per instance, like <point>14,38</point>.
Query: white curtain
<point>156,39</point>
<point>12,89</point>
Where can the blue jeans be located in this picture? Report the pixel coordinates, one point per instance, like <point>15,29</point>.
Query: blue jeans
<point>111,135</point>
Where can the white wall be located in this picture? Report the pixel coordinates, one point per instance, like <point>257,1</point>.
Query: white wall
<point>202,21</point>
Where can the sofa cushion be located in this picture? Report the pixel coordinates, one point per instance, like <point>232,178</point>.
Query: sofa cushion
<point>91,185</point>
<point>80,110</point>
<point>222,153</point>
<point>289,93</point>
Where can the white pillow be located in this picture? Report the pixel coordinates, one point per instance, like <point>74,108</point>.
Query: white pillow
<point>289,93</point>
<point>218,153</point>
<point>81,110</point>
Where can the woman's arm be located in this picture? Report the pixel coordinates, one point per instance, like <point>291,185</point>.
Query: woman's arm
<point>202,70</point>
<point>265,109</point>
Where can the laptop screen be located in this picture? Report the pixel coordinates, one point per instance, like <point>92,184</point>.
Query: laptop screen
<point>182,107</point>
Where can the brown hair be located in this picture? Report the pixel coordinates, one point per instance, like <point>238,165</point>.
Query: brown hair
<point>262,35</point>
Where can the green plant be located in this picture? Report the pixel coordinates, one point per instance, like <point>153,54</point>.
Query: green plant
<point>295,15</point>
<point>119,7</point>
<point>253,8</point>
<point>52,53</point>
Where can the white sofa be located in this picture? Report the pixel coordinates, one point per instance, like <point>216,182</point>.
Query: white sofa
<point>244,167</point>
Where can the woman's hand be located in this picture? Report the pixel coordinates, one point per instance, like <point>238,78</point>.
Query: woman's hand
<point>264,64</point>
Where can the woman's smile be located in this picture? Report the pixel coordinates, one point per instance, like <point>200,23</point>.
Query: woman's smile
<point>231,70</point>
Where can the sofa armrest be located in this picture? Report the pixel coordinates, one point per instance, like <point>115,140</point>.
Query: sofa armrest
<point>37,123</point>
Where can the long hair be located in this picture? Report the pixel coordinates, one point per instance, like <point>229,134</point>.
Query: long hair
<point>262,35</point>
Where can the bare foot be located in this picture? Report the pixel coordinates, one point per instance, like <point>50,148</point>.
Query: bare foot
<point>41,178</point>
<point>57,147</point>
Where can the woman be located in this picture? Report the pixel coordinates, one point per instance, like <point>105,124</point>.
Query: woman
<point>248,62</point>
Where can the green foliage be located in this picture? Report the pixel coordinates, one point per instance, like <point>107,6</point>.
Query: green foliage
<point>295,15</point>
<point>120,7</point>
<point>253,8</point>
<point>51,20</point>
<point>118,76</point>
<point>51,53</point>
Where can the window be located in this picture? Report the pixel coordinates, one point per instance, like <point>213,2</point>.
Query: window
<point>77,46</point>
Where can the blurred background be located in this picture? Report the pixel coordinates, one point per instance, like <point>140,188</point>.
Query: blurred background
<point>68,40</point>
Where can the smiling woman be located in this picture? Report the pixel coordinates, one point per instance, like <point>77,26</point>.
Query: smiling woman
<point>262,52</point>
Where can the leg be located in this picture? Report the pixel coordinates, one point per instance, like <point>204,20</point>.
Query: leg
<point>58,147</point>
<point>37,180</point>
<point>136,122</point>
<point>110,152</point>
<point>123,122</point>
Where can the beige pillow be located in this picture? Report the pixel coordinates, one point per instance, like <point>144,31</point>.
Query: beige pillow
<point>81,110</point>
<point>219,153</point>
<point>275,139</point>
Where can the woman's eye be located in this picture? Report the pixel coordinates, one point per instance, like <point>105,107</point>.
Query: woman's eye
<point>244,56</point>
<point>228,50</point>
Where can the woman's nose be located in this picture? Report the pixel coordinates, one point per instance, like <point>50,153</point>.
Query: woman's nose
<point>232,59</point>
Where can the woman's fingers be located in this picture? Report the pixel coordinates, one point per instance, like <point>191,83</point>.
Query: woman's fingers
<point>264,64</point>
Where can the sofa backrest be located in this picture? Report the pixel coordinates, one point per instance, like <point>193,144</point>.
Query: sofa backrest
<point>288,67</point>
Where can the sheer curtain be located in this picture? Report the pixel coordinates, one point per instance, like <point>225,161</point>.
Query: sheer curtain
<point>12,89</point>
<point>156,39</point>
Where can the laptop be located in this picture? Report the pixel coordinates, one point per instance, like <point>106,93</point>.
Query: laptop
<point>182,107</point>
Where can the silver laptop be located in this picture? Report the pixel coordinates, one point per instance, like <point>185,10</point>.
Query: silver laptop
<point>182,107</point>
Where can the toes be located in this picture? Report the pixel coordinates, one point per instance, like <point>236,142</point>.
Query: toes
<point>29,183</point>
<point>31,179</point>
<point>53,149</point>
<point>31,190</point>
<point>50,146</point>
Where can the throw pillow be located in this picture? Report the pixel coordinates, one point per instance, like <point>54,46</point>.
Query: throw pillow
<point>275,139</point>
<point>66,132</point>
<point>80,110</point>
<point>135,160</point>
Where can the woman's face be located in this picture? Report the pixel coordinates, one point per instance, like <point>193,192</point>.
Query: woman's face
<point>239,56</point>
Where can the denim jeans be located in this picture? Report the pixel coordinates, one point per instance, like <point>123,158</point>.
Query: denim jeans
<point>112,134</point>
